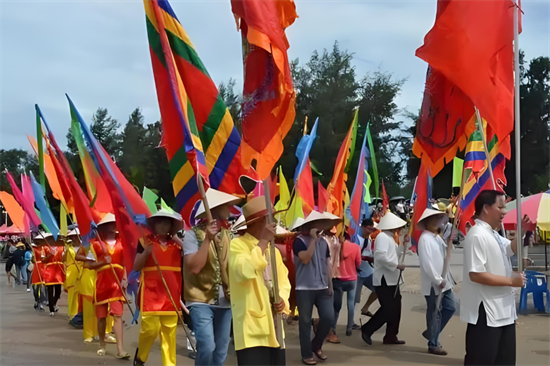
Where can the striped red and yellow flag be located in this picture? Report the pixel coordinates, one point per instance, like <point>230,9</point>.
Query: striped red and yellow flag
<point>179,72</point>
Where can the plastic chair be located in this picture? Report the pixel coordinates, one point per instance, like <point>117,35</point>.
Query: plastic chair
<point>536,284</point>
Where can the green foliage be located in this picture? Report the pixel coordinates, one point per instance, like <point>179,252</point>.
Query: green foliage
<point>16,161</point>
<point>232,101</point>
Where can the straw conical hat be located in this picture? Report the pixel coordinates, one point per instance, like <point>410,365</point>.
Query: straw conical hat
<point>323,221</point>
<point>240,224</point>
<point>43,236</point>
<point>390,221</point>
<point>73,232</point>
<point>428,213</point>
<point>216,199</point>
<point>107,219</point>
<point>177,221</point>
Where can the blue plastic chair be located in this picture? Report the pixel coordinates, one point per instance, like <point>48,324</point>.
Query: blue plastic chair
<point>536,284</point>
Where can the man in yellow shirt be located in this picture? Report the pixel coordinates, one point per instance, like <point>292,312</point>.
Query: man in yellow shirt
<point>249,279</point>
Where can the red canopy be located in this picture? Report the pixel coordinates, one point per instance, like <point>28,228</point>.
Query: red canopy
<point>10,230</point>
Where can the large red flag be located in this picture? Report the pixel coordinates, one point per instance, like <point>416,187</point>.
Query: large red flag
<point>269,97</point>
<point>471,45</point>
<point>304,188</point>
<point>322,197</point>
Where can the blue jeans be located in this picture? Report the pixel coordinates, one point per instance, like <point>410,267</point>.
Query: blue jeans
<point>435,324</point>
<point>339,288</point>
<point>212,327</point>
<point>363,281</point>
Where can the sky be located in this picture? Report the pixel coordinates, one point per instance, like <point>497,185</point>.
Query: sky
<point>97,51</point>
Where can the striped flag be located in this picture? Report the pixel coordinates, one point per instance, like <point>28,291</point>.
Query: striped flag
<point>195,118</point>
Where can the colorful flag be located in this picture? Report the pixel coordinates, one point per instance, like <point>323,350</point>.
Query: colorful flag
<point>322,197</point>
<point>49,170</point>
<point>179,76</point>
<point>303,149</point>
<point>337,186</point>
<point>150,199</point>
<point>48,220</point>
<point>40,148</point>
<point>373,163</point>
<point>269,97</point>
<point>13,209</point>
<point>458,167</point>
<point>478,176</point>
<point>129,208</point>
<point>284,197</point>
<point>26,202</point>
<point>423,188</point>
<point>358,207</point>
<point>471,45</point>
<point>303,179</point>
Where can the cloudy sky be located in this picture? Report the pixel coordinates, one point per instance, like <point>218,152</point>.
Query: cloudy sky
<point>97,51</point>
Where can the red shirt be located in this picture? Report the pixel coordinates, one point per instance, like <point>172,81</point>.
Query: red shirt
<point>38,271</point>
<point>107,287</point>
<point>152,297</point>
<point>350,260</point>
<point>53,266</point>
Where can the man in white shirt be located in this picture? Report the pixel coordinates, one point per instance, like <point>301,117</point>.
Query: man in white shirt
<point>385,279</point>
<point>431,253</point>
<point>487,303</point>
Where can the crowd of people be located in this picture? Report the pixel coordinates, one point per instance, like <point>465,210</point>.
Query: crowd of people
<point>218,280</point>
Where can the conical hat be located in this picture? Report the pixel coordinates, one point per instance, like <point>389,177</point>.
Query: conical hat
<point>298,222</point>
<point>240,224</point>
<point>177,221</point>
<point>428,213</point>
<point>323,221</point>
<point>43,236</point>
<point>215,199</point>
<point>390,221</point>
<point>107,219</point>
<point>73,232</point>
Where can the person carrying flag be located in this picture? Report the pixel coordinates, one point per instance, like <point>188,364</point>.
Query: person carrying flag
<point>206,278</point>
<point>431,253</point>
<point>52,258</point>
<point>158,315</point>
<point>72,271</point>
<point>111,282</point>
<point>37,276</point>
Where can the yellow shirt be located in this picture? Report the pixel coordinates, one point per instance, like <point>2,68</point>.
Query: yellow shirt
<point>86,284</point>
<point>253,324</point>
<point>73,269</point>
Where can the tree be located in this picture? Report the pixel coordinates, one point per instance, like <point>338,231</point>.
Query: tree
<point>132,147</point>
<point>17,162</point>
<point>535,130</point>
<point>232,100</point>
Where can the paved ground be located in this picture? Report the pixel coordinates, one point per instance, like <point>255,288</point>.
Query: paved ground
<point>30,338</point>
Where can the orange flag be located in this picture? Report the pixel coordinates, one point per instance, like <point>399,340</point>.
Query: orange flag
<point>15,211</point>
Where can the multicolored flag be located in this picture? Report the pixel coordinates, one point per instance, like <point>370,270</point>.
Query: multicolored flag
<point>27,203</point>
<point>303,179</point>
<point>269,97</point>
<point>337,186</point>
<point>477,174</point>
<point>46,214</point>
<point>373,163</point>
<point>358,207</point>
<point>179,73</point>
<point>471,44</point>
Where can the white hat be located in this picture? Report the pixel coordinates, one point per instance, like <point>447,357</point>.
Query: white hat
<point>390,221</point>
<point>240,224</point>
<point>177,221</point>
<point>73,232</point>
<point>216,199</point>
<point>427,213</point>
<point>107,219</point>
<point>323,220</point>
<point>43,236</point>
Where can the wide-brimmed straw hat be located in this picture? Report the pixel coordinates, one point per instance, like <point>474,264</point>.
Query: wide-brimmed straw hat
<point>215,199</point>
<point>390,221</point>
<point>42,236</point>
<point>108,218</point>
<point>323,221</point>
<point>428,213</point>
<point>255,209</point>
<point>177,222</point>
<point>74,232</point>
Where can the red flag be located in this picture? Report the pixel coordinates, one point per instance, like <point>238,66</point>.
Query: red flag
<point>322,197</point>
<point>385,199</point>
<point>421,195</point>
<point>471,45</point>
<point>304,187</point>
<point>269,97</point>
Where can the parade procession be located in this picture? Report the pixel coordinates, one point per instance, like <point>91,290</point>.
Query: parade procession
<point>307,218</point>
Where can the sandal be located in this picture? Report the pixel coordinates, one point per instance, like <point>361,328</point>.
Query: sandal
<point>309,361</point>
<point>320,355</point>
<point>125,356</point>
<point>101,351</point>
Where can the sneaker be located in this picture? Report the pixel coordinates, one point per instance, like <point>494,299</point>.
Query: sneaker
<point>28,290</point>
<point>437,351</point>
<point>36,306</point>
<point>56,309</point>
<point>356,327</point>
<point>40,307</point>
<point>52,314</point>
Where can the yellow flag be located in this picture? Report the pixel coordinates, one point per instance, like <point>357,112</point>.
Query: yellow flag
<point>63,221</point>
<point>284,197</point>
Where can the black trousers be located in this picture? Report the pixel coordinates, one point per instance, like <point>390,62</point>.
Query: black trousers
<point>261,356</point>
<point>490,345</point>
<point>305,300</point>
<point>389,312</point>
<point>53,297</point>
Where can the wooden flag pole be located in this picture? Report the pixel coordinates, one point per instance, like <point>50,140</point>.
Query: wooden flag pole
<point>278,318</point>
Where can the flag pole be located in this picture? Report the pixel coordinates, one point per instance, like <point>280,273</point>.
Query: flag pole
<point>278,318</point>
<point>517,81</point>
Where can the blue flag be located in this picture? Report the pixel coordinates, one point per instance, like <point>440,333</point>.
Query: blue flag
<point>303,149</point>
<point>46,214</point>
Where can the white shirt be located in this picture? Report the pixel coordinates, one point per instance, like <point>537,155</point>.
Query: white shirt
<point>431,253</point>
<point>486,251</point>
<point>385,260</point>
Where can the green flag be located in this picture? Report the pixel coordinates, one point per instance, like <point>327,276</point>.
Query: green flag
<point>40,149</point>
<point>367,197</point>
<point>458,165</point>
<point>150,199</point>
<point>355,124</point>
<point>165,206</point>
<point>373,161</point>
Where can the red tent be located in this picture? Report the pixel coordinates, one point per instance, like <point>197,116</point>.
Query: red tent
<point>10,230</point>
